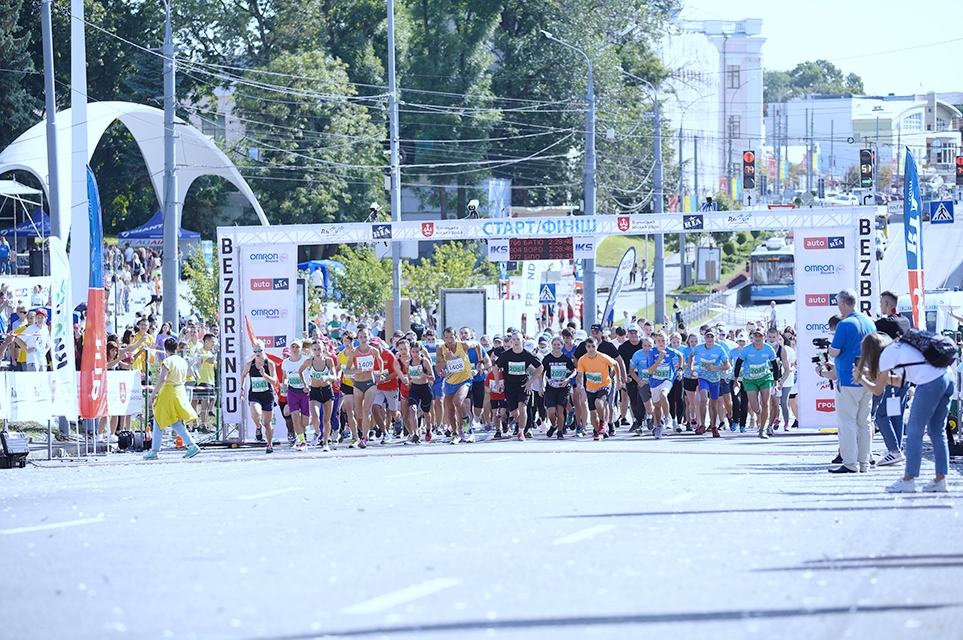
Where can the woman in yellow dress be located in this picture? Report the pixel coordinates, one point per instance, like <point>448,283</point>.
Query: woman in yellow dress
<point>171,406</point>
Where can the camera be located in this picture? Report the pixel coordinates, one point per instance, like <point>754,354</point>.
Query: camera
<point>823,345</point>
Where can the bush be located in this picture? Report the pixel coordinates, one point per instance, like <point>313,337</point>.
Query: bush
<point>755,233</point>
<point>728,248</point>
<point>741,237</point>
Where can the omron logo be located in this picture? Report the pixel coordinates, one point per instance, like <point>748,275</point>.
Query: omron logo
<point>261,284</point>
<point>820,299</point>
<point>826,269</point>
<point>269,314</point>
<point>269,258</point>
<point>826,406</point>
<point>816,326</point>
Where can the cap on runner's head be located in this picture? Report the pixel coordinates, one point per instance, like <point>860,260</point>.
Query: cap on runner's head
<point>542,340</point>
<point>286,351</point>
<point>376,341</point>
<point>581,335</point>
<point>742,336</point>
<point>632,327</point>
<point>496,337</point>
<point>596,327</point>
<point>529,345</point>
<point>711,331</point>
<point>757,329</point>
<point>41,312</point>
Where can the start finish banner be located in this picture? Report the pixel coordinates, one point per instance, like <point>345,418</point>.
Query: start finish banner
<point>825,265</point>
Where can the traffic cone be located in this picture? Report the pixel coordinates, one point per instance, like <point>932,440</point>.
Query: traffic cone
<point>178,443</point>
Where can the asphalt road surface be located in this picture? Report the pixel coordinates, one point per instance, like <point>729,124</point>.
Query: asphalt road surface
<point>687,537</point>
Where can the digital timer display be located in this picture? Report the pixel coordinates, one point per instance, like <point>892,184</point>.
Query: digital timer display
<point>541,249</point>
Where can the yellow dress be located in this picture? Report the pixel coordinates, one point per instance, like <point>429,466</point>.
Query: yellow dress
<point>171,403</point>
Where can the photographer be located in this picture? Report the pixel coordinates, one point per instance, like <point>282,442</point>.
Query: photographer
<point>886,363</point>
<point>853,401</point>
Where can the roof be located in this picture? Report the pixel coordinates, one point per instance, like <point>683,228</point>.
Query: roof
<point>153,229</point>
<point>12,188</point>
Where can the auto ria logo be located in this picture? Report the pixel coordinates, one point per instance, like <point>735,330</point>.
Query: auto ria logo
<point>830,242</point>
<point>820,299</point>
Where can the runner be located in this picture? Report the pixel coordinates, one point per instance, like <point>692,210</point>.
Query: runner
<point>321,372</point>
<point>626,351</point>
<point>690,383</point>
<point>260,393</point>
<point>204,387</point>
<point>171,407</point>
<point>559,372</point>
<point>662,363</point>
<point>513,365</point>
<point>480,363</point>
<point>576,397</point>
<point>453,362</point>
<point>418,375</point>
<point>711,362</point>
<point>347,386</point>
<point>595,367</point>
<point>757,366</point>
<point>496,395</point>
<point>293,385</point>
<point>388,394</point>
<point>364,362</point>
<point>677,395</point>
<point>437,387</point>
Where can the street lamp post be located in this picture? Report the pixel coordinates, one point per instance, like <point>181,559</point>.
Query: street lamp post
<point>658,274</point>
<point>589,276</point>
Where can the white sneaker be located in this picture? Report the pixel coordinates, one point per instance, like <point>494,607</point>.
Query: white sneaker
<point>890,458</point>
<point>934,486</point>
<point>902,486</point>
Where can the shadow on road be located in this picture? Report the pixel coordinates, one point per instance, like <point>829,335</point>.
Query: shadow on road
<point>934,561</point>
<point>587,621</point>
<point>710,512</point>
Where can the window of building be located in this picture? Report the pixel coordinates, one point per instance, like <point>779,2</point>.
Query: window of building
<point>214,127</point>
<point>735,126</point>
<point>732,76</point>
<point>940,124</point>
<point>913,122</point>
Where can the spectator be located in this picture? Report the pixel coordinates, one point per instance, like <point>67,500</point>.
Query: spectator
<point>892,402</point>
<point>853,400</point>
<point>4,256</point>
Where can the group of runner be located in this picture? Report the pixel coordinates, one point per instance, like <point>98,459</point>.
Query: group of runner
<point>358,388</point>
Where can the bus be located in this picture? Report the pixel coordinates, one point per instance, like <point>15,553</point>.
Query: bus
<point>771,272</point>
<point>939,303</point>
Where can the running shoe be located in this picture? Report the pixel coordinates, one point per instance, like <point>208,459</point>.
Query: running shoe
<point>715,432</point>
<point>624,422</point>
<point>258,435</point>
<point>763,433</point>
<point>384,438</point>
<point>528,433</point>
<point>354,444</point>
<point>770,430</point>
<point>559,435</point>
<point>498,434</point>
<point>733,426</point>
<point>690,426</point>
<point>598,435</point>
<point>150,455</point>
<point>795,424</point>
<point>657,432</point>
<point>521,435</point>
<point>315,440</point>
<point>905,486</point>
<point>363,444</point>
<point>550,432</point>
<point>678,427</point>
<point>935,486</point>
<point>454,439</point>
<point>700,430</point>
<point>427,435</point>
<point>891,458</point>
<point>325,447</point>
<point>302,446</point>
<point>579,431</point>
<point>269,449</point>
<point>611,429</point>
<point>467,439</point>
<point>742,428</point>
<point>192,451</point>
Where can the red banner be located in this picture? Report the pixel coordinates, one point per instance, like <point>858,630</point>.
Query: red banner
<point>93,363</point>
<point>277,361</point>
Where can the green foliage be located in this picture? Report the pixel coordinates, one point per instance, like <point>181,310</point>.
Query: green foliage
<point>755,233</point>
<point>202,292</point>
<point>17,105</point>
<point>808,78</point>
<point>454,265</point>
<point>728,248</point>
<point>365,283</point>
<point>741,237</point>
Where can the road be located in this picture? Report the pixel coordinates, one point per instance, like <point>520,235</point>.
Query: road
<point>688,537</point>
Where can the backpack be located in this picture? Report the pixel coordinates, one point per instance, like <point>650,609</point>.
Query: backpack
<point>938,350</point>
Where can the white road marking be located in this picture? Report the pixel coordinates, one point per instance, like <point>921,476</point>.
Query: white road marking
<point>405,475</point>
<point>498,459</point>
<point>680,498</point>
<point>401,596</point>
<point>268,494</point>
<point>54,525</point>
<point>584,534</point>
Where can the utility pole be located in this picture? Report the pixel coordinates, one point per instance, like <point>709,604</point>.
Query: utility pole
<point>172,208</point>
<point>876,163</point>
<point>729,162</point>
<point>832,149</point>
<point>698,200</point>
<point>808,152</point>
<point>395,169</point>
<point>777,123</point>
<point>659,273</point>
<point>682,208</point>
<point>50,102</point>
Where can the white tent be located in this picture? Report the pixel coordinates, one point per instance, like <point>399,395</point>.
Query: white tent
<point>196,154</point>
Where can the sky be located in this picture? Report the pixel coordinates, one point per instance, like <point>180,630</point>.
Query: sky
<point>845,32</point>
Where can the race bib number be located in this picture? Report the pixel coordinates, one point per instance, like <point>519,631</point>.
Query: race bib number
<point>294,380</point>
<point>258,385</point>
<point>316,375</point>
<point>415,371</point>
<point>558,371</point>
<point>663,373</point>
<point>517,368</point>
<point>455,366</point>
<point>364,363</point>
<point>594,377</point>
<point>496,387</point>
<point>757,371</point>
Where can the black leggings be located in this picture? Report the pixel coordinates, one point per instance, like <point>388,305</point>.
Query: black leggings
<point>740,406</point>
<point>677,401</point>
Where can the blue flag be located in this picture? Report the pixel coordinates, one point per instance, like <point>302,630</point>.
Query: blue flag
<point>96,233</point>
<point>913,227</point>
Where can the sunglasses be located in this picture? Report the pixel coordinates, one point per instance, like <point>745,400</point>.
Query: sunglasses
<point>259,351</point>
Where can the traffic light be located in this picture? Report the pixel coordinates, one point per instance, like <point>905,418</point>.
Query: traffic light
<point>959,170</point>
<point>748,170</point>
<point>866,161</point>
<point>821,188</point>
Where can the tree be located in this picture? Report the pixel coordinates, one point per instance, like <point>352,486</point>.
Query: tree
<point>202,292</point>
<point>808,78</point>
<point>19,108</point>
<point>454,265</point>
<point>365,283</point>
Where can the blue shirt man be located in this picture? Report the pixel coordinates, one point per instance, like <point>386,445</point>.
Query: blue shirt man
<point>847,345</point>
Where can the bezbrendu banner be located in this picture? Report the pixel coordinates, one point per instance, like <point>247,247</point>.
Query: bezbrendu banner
<point>825,265</point>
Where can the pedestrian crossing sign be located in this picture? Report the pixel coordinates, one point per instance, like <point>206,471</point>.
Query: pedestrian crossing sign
<point>941,212</point>
<point>546,294</point>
